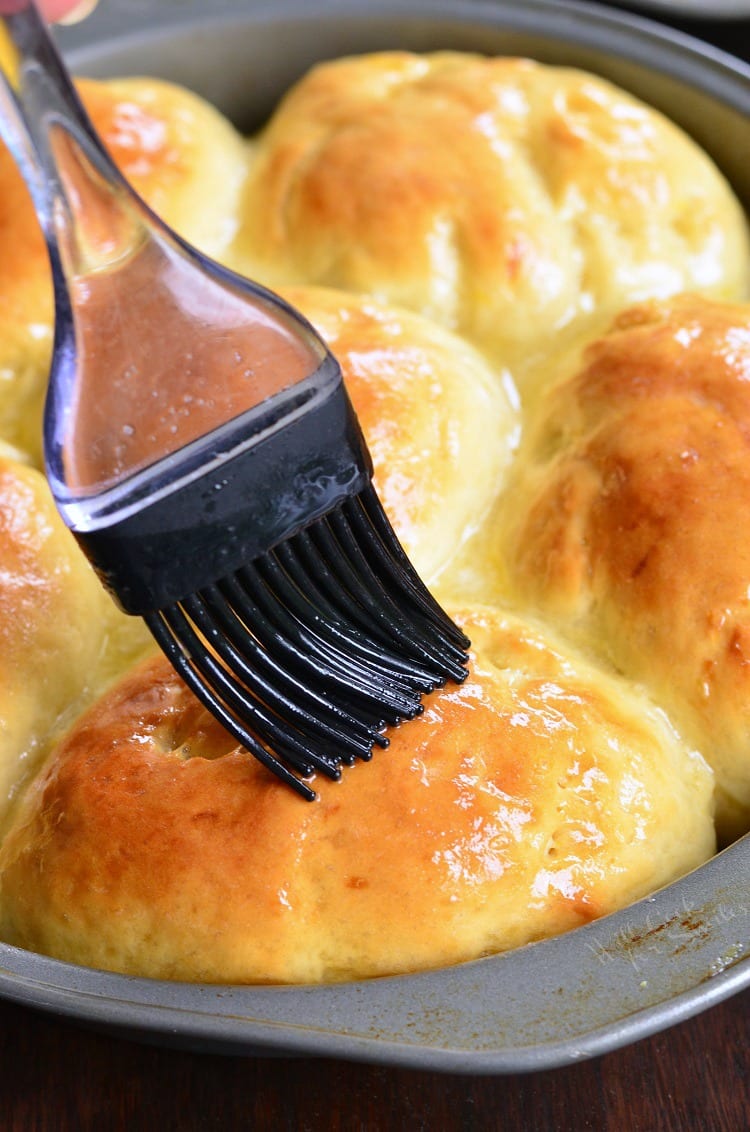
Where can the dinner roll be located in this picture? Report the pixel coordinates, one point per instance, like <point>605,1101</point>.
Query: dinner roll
<point>626,522</point>
<point>178,152</point>
<point>506,199</point>
<point>440,425</point>
<point>25,313</point>
<point>538,795</point>
<point>53,622</point>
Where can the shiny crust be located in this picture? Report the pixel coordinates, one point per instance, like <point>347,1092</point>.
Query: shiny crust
<point>177,151</point>
<point>535,797</point>
<point>506,199</point>
<point>441,426</point>
<point>628,523</point>
<point>51,607</point>
<point>25,313</point>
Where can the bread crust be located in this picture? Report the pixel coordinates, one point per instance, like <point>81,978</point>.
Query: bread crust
<point>506,199</point>
<point>535,797</point>
<point>626,527</point>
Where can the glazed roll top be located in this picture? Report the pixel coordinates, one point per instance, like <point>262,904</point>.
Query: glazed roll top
<point>626,520</point>
<point>25,313</point>
<point>505,198</point>
<point>536,796</point>
<point>53,623</point>
<point>177,151</point>
<point>440,424</point>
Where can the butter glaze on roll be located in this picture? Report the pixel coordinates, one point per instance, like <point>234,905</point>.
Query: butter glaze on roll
<point>441,426</point>
<point>25,313</point>
<point>627,521</point>
<point>53,622</point>
<point>504,198</point>
<point>178,152</point>
<point>535,797</point>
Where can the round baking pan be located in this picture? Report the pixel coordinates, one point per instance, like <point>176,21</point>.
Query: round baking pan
<point>618,979</point>
<point>706,9</point>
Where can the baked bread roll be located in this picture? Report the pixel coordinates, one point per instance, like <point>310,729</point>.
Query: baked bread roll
<point>506,199</point>
<point>53,622</point>
<point>185,160</point>
<point>178,152</point>
<point>538,795</point>
<point>25,313</point>
<point>626,522</point>
<point>440,425</point>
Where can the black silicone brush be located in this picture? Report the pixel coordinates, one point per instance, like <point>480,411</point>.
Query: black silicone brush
<point>201,446</point>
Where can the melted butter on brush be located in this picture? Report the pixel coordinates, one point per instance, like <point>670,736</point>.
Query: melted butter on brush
<point>165,354</point>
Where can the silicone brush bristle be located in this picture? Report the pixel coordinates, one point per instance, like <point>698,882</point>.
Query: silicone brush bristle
<point>308,653</point>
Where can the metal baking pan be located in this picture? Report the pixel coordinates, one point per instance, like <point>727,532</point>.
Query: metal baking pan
<point>597,988</point>
<point>700,9</point>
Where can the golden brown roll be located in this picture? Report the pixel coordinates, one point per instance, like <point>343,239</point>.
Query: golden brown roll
<point>535,797</point>
<point>178,152</point>
<point>440,425</point>
<point>507,199</point>
<point>627,520</point>
<point>25,313</point>
<point>54,621</point>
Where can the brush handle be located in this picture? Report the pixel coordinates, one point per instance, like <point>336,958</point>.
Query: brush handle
<point>54,144</point>
<point>29,99</point>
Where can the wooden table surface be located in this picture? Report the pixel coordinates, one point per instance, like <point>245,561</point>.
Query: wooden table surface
<point>56,1077</point>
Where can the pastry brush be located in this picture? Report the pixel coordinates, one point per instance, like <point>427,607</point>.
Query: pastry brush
<point>201,446</point>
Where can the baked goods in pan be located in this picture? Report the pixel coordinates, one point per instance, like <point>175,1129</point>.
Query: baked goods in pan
<point>626,523</point>
<point>538,795</point>
<point>456,228</point>
<point>504,198</point>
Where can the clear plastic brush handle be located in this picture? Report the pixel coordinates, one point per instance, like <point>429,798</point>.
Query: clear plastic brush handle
<point>36,95</point>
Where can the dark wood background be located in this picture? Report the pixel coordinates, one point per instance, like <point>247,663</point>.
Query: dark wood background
<point>56,1077</point>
